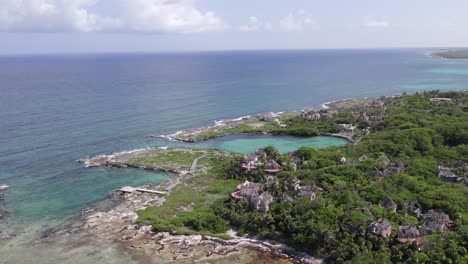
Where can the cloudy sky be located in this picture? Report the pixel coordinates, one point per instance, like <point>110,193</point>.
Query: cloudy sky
<point>58,26</point>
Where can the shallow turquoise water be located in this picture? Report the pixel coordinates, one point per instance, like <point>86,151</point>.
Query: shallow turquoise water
<point>58,196</point>
<point>30,200</point>
<point>283,143</point>
<point>451,70</point>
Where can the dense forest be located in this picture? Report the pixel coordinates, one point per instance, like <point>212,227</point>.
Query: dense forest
<point>398,195</point>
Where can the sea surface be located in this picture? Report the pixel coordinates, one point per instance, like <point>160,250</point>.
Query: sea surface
<point>56,109</point>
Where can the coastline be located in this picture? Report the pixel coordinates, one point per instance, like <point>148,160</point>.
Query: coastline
<point>119,223</point>
<point>241,125</point>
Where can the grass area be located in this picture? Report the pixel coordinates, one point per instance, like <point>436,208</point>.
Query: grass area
<point>187,208</point>
<point>176,158</point>
<point>293,128</point>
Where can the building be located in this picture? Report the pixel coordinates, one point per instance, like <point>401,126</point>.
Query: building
<point>434,222</point>
<point>409,233</point>
<point>261,202</point>
<point>273,167</point>
<point>284,198</point>
<point>384,160</point>
<point>446,174</point>
<point>363,117</point>
<point>414,207</point>
<point>381,227</point>
<point>253,160</point>
<point>306,193</point>
<point>363,158</point>
<point>247,189</point>
<point>292,184</point>
<point>388,203</point>
<point>394,167</point>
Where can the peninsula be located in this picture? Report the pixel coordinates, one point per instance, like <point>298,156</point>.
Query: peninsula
<point>397,195</point>
<point>332,120</point>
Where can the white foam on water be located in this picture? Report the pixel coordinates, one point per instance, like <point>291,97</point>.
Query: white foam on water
<point>219,123</point>
<point>170,137</point>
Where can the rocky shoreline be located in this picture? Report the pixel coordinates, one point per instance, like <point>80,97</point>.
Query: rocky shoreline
<point>119,224</point>
<point>220,127</point>
<point>122,160</point>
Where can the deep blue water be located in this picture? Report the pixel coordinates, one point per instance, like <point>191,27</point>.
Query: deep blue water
<point>59,108</point>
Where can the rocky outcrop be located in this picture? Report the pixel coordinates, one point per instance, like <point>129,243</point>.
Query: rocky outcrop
<point>127,160</point>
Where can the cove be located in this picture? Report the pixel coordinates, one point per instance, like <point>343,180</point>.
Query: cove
<point>244,143</point>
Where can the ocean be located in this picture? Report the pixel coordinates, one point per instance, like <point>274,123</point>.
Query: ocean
<point>56,109</point>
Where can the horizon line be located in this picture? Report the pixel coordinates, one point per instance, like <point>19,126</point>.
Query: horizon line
<point>129,52</point>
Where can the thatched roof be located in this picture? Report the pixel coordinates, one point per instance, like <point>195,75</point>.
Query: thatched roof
<point>434,221</point>
<point>363,158</point>
<point>408,231</point>
<point>273,167</point>
<point>387,202</point>
<point>415,207</point>
<point>384,159</point>
<point>285,198</point>
<point>381,227</point>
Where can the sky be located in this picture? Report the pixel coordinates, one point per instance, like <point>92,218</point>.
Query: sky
<point>90,26</point>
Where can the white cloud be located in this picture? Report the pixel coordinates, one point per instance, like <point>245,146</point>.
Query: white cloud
<point>148,16</point>
<point>255,25</point>
<point>52,15</point>
<point>296,21</point>
<point>376,23</point>
<point>179,16</point>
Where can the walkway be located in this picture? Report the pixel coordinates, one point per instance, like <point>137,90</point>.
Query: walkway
<point>194,163</point>
<point>129,189</point>
<point>192,168</point>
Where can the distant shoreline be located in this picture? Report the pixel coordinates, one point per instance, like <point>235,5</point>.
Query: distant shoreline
<point>452,54</point>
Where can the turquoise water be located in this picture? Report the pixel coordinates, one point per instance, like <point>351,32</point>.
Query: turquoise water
<point>65,196</point>
<point>243,143</point>
<point>283,143</point>
<point>450,71</point>
<point>60,108</point>
<point>58,197</point>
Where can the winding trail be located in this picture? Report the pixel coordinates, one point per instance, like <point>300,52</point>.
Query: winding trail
<point>193,167</point>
